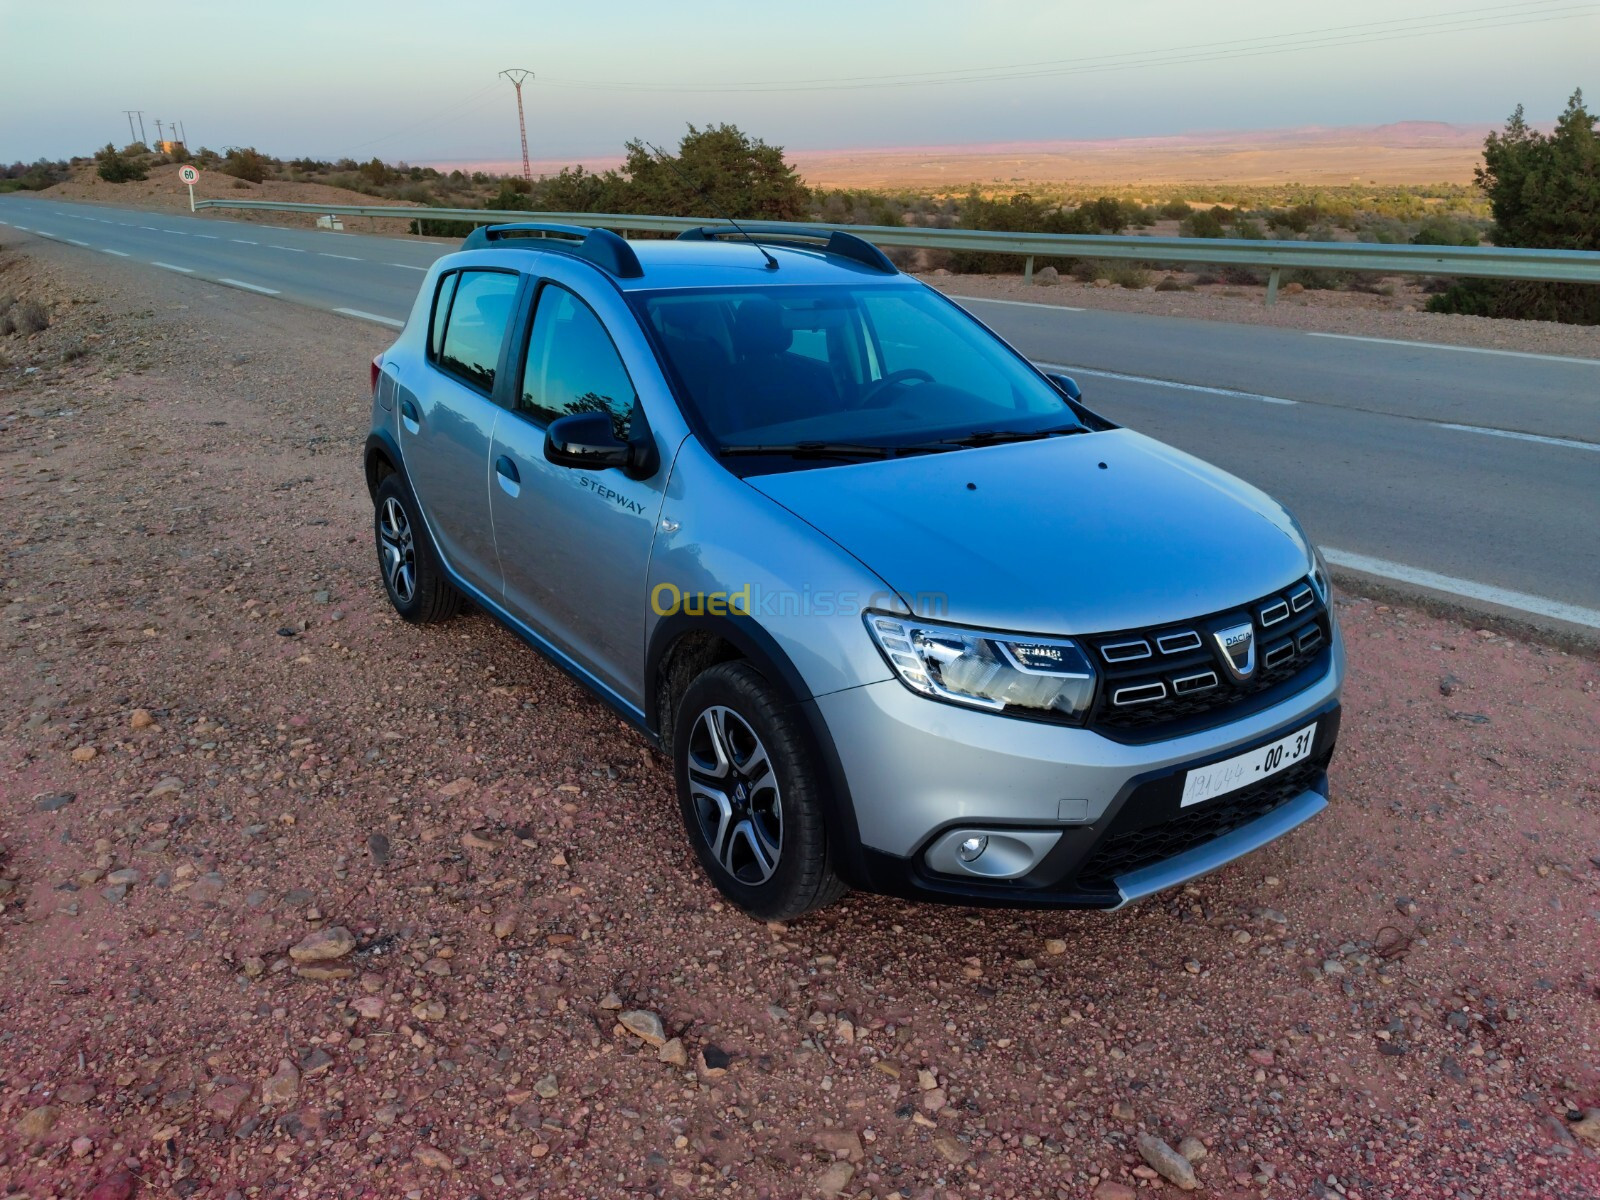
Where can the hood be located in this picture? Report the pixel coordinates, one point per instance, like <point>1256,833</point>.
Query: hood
<point>1084,534</point>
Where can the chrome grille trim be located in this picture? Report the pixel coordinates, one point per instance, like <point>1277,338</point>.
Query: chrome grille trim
<point>1188,685</point>
<point>1282,652</point>
<point>1121,652</point>
<point>1272,614</point>
<point>1178,643</point>
<point>1310,639</point>
<point>1301,598</point>
<point>1144,693</point>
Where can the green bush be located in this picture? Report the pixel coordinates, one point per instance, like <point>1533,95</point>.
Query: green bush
<point>1175,210</point>
<point>246,163</point>
<point>1544,192</point>
<point>1201,225</point>
<point>1442,231</point>
<point>117,168</point>
<point>1132,276</point>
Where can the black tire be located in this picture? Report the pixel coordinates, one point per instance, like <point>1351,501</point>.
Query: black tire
<point>407,562</point>
<point>803,878</point>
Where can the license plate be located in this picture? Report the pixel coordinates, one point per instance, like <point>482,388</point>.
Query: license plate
<point>1231,774</point>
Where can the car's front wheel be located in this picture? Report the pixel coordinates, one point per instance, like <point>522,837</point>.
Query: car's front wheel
<point>751,795</point>
<point>416,585</point>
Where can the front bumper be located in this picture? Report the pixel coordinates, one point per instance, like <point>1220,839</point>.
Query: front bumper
<point>1106,813</point>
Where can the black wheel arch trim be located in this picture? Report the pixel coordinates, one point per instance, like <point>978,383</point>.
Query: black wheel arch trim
<point>380,443</point>
<point>759,648</point>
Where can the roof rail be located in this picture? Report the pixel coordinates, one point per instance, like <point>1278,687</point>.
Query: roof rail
<point>599,246</point>
<point>845,245</point>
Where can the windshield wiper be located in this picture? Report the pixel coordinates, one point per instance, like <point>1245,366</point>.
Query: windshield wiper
<point>999,437</point>
<point>816,450</point>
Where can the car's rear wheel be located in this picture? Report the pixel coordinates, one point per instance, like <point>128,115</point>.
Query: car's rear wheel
<point>416,585</point>
<point>751,795</point>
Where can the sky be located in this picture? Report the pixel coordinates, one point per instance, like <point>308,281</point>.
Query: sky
<point>418,82</point>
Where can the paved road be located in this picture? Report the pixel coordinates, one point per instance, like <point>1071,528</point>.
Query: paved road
<point>1471,473</point>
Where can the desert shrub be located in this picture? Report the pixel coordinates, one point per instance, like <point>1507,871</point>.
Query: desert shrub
<point>1207,277</point>
<point>1248,228</point>
<point>1442,231</point>
<point>73,351</point>
<point>1171,283</point>
<point>117,168</point>
<point>27,316</point>
<point>246,163</point>
<point>1132,276</point>
<point>1087,270</point>
<point>1175,210</point>
<point>1314,279</point>
<point>1372,285</point>
<point>1238,276</point>
<point>1201,225</point>
<point>1544,191</point>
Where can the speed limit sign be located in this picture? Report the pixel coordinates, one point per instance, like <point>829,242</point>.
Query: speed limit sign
<point>190,176</point>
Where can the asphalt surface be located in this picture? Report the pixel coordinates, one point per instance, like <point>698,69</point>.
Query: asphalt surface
<point>1471,473</point>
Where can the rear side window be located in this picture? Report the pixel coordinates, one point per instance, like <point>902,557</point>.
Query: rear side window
<point>479,313</point>
<point>573,366</point>
<point>441,312</point>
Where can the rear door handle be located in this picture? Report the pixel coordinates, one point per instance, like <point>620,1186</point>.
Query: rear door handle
<point>410,416</point>
<point>505,471</point>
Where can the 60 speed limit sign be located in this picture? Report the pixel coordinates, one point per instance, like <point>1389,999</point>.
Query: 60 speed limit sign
<point>190,176</point>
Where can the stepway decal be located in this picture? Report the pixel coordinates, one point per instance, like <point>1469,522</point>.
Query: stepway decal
<point>605,493</point>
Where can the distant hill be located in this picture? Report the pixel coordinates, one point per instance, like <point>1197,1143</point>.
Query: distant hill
<point>1402,152</point>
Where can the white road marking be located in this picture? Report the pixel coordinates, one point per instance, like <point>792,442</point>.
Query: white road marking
<point>348,257</point>
<point>118,253</point>
<point>1521,437</point>
<point>1466,588</point>
<point>1350,337</point>
<point>244,241</point>
<point>76,242</point>
<point>290,249</point>
<point>406,266</point>
<point>210,237</point>
<point>366,316</point>
<point>151,229</point>
<point>1188,387</point>
<point>24,229</point>
<point>1016,303</point>
<point>249,287</point>
<point>170,267</point>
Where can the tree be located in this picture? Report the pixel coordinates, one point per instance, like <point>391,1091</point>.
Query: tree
<point>1544,192</point>
<point>247,163</point>
<point>116,168</point>
<point>718,171</point>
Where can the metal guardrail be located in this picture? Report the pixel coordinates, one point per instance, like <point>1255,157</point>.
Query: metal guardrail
<point>1484,262</point>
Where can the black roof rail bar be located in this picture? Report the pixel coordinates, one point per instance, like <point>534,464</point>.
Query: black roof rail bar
<point>845,245</point>
<point>599,246</point>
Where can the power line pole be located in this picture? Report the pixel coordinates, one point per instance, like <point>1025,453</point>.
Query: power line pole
<point>132,137</point>
<point>142,142</point>
<point>517,75</point>
<point>159,138</point>
<point>182,136</point>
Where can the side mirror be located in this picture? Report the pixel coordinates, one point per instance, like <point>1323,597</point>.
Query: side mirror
<point>1068,385</point>
<point>588,442</point>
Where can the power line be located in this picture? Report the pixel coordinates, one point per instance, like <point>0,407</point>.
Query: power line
<point>1329,37</point>
<point>454,110</point>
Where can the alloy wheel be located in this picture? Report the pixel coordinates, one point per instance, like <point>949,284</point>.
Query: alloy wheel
<point>735,792</point>
<point>397,551</point>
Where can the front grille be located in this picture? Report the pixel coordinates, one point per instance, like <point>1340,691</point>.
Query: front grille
<point>1153,679</point>
<point>1128,850</point>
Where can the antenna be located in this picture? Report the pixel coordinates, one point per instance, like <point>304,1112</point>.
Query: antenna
<point>517,75</point>
<point>772,263</point>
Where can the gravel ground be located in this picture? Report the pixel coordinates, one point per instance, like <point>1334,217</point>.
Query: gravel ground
<point>1363,314</point>
<point>299,901</point>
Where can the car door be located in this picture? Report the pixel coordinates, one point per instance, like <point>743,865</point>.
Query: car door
<point>448,418</point>
<point>575,544</point>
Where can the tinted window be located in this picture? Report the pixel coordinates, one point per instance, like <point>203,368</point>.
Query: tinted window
<point>477,326</point>
<point>441,310</point>
<point>572,365</point>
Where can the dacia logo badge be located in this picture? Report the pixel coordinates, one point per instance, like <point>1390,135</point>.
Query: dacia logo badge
<point>1238,646</point>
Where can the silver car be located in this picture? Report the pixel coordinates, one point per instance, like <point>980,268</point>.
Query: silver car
<point>906,615</point>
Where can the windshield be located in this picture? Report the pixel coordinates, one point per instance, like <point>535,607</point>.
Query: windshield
<point>848,367</point>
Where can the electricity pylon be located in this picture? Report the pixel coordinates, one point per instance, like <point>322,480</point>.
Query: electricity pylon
<point>517,75</point>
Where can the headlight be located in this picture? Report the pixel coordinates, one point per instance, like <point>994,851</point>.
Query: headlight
<point>1039,677</point>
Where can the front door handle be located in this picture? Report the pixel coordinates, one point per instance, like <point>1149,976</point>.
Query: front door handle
<point>505,471</point>
<point>409,415</point>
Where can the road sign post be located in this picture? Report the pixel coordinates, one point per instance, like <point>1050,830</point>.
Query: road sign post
<point>190,176</point>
